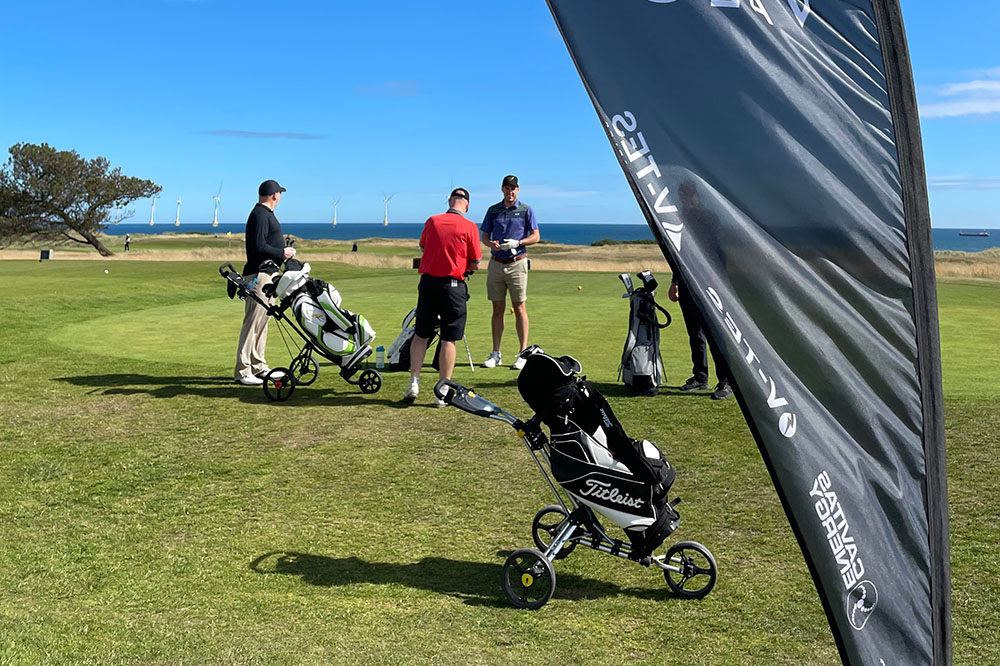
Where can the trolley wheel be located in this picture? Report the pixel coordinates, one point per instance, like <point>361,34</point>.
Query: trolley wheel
<point>696,572</point>
<point>528,579</point>
<point>370,381</point>
<point>305,370</point>
<point>546,526</point>
<point>279,384</point>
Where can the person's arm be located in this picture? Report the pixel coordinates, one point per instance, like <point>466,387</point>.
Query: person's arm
<point>532,239</point>
<point>261,227</point>
<point>473,254</point>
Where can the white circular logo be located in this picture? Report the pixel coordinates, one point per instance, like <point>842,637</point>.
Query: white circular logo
<point>861,602</point>
<point>787,424</point>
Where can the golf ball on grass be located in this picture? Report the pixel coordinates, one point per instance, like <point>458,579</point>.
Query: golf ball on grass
<point>105,271</point>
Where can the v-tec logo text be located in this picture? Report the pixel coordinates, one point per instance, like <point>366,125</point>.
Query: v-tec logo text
<point>800,8</point>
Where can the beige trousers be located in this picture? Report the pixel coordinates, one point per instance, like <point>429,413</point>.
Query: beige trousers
<point>253,335</point>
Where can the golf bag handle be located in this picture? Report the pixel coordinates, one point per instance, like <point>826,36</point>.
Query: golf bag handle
<point>655,320</point>
<point>664,311</point>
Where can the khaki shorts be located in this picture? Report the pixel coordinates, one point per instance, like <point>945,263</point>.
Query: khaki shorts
<point>501,278</point>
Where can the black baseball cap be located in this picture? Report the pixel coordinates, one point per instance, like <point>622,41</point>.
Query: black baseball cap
<point>269,187</point>
<point>459,192</point>
<point>509,180</point>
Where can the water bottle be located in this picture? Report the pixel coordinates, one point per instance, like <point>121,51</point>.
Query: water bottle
<point>379,357</point>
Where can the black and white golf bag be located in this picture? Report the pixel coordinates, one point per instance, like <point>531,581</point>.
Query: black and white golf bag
<point>397,356</point>
<point>641,367</point>
<point>343,336</point>
<point>592,457</point>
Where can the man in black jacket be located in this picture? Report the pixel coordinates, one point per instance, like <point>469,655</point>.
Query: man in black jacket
<point>263,241</point>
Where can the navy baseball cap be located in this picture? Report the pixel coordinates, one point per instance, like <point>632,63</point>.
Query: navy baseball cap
<point>509,180</point>
<point>269,187</point>
<point>459,192</point>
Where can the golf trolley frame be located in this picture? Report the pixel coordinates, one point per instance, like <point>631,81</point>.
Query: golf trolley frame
<point>280,383</point>
<point>529,578</point>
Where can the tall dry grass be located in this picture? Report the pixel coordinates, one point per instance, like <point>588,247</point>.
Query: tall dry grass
<point>983,265</point>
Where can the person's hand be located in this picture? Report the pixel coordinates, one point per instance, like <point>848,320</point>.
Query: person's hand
<point>289,252</point>
<point>494,245</point>
<point>673,293</point>
<point>510,244</point>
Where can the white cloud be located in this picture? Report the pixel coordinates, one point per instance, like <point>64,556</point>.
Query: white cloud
<point>962,182</point>
<point>978,97</point>
<point>389,89</point>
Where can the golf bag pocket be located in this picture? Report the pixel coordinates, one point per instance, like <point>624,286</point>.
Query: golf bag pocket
<point>585,468</point>
<point>339,332</point>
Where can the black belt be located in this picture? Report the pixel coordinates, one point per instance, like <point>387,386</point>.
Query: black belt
<point>511,260</point>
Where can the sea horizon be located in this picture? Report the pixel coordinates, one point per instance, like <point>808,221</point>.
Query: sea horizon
<point>583,233</point>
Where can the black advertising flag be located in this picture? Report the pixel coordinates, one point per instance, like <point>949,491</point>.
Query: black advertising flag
<point>774,148</point>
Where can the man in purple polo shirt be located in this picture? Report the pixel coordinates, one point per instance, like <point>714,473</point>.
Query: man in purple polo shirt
<point>507,228</point>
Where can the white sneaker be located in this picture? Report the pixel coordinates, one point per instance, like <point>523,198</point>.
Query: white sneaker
<point>493,360</point>
<point>438,402</point>
<point>519,363</point>
<point>250,380</point>
<point>413,390</point>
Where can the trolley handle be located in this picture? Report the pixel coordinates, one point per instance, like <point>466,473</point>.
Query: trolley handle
<point>465,399</point>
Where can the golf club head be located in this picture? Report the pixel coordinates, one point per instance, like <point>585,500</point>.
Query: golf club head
<point>627,281</point>
<point>649,282</point>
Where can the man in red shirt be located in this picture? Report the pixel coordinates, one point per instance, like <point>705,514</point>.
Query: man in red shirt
<point>451,253</point>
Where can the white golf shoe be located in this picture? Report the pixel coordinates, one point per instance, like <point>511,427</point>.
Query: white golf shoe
<point>493,361</point>
<point>413,390</point>
<point>519,363</point>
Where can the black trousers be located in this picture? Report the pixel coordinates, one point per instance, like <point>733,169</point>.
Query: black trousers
<point>699,341</point>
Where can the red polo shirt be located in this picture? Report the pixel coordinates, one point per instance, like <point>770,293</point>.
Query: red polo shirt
<point>450,243</point>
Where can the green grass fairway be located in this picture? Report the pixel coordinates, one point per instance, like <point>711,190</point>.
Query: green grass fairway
<point>152,512</point>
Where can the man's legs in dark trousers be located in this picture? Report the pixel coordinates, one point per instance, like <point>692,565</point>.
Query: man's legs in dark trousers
<point>696,337</point>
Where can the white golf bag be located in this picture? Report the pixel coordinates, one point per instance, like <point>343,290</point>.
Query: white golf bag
<point>341,335</point>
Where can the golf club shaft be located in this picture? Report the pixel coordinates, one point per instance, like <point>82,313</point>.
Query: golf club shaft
<point>467,351</point>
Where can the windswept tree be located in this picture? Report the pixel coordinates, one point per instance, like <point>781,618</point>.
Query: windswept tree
<point>56,195</point>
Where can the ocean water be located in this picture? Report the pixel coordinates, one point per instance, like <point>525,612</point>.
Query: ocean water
<point>568,234</point>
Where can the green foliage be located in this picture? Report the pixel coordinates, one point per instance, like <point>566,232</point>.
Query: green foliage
<point>49,194</point>
<point>155,513</point>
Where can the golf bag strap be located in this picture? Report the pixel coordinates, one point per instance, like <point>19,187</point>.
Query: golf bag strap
<point>664,311</point>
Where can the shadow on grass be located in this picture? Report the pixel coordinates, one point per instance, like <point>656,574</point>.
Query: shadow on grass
<point>221,387</point>
<point>620,391</point>
<point>475,583</point>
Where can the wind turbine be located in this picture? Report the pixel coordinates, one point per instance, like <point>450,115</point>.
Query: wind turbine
<point>152,210</point>
<point>335,211</point>
<point>177,220</point>
<point>385,220</point>
<point>215,217</point>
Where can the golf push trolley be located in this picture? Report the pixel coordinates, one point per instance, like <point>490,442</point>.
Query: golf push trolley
<point>594,484</point>
<point>327,330</point>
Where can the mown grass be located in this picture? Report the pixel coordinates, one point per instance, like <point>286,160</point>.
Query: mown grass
<point>153,512</point>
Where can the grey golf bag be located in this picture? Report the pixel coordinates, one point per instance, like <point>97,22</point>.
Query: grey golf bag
<point>641,367</point>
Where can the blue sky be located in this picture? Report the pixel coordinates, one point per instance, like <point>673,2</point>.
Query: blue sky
<point>356,99</point>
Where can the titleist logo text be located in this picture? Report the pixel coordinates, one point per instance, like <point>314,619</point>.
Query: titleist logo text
<point>604,491</point>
